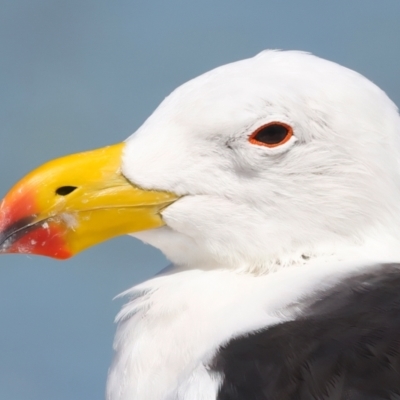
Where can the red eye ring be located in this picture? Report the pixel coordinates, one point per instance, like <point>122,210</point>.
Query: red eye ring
<point>271,135</point>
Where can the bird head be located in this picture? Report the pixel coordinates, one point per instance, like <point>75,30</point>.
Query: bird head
<point>263,161</point>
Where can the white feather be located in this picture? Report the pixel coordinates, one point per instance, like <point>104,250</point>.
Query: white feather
<point>257,228</point>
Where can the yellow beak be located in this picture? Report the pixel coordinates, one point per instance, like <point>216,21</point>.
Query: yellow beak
<point>75,202</point>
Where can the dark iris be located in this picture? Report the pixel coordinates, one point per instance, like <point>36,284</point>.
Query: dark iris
<point>272,134</point>
<point>65,190</point>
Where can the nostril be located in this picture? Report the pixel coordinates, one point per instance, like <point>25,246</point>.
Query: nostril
<point>65,190</point>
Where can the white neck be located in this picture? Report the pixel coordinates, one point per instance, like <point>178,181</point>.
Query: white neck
<point>174,323</point>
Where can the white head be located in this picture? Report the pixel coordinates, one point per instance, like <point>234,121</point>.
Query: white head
<point>334,182</point>
<point>273,159</point>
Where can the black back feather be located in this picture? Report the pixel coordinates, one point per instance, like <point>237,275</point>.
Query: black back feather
<point>346,345</point>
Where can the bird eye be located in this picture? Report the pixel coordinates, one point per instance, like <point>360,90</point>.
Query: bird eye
<point>272,135</point>
<point>65,190</point>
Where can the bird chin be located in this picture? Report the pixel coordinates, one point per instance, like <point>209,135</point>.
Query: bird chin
<point>177,247</point>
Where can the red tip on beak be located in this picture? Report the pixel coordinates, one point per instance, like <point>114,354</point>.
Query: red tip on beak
<point>45,239</point>
<point>21,232</point>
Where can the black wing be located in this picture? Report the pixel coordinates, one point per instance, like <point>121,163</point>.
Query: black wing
<point>345,346</point>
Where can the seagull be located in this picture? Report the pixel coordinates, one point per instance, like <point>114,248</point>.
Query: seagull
<point>272,184</point>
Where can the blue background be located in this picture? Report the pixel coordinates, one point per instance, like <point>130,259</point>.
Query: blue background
<point>80,74</point>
